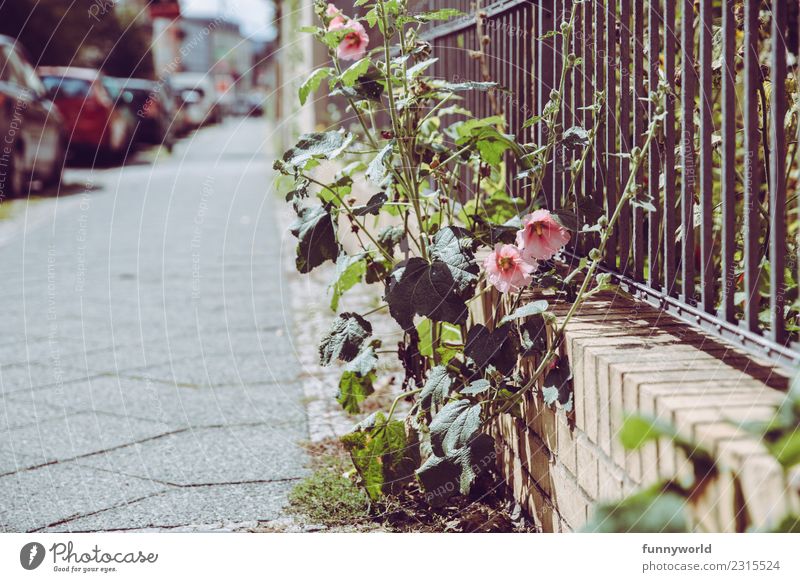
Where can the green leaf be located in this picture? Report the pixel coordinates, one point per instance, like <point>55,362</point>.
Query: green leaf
<point>354,71</point>
<point>452,247</point>
<point>416,287</point>
<point>312,83</point>
<point>637,430</point>
<point>557,386</point>
<point>527,310</point>
<point>418,68</point>
<point>789,524</point>
<point>649,511</point>
<point>787,449</point>
<point>344,339</point>
<point>466,86</point>
<point>390,237</point>
<point>533,332</point>
<point>437,387</point>
<point>575,138</point>
<point>377,170</point>
<point>349,271</point>
<point>316,238</point>
<point>497,348</point>
<point>373,205</point>
<point>476,388</point>
<point>454,427</point>
<point>353,390</point>
<point>380,454</point>
<point>366,361</point>
<point>441,477</point>
<point>326,145</point>
<point>447,333</point>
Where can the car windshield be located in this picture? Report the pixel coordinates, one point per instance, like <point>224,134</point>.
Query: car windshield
<point>66,87</point>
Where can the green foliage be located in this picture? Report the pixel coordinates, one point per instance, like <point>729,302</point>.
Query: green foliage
<point>313,82</point>
<point>380,453</point>
<point>652,510</point>
<point>345,338</point>
<point>350,269</point>
<point>316,238</point>
<point>353,390</point>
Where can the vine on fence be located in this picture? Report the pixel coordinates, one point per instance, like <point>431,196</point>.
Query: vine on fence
<point>459,376</point>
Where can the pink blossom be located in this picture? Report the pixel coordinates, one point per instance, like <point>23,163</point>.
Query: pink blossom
<point>541,236</point>
<point>337,19</point>
<point>506,270</point>
<point>354,45</point>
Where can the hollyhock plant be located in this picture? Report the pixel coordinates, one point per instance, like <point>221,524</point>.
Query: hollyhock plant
<point>354,45</point>
<point>541,236</point>
<point>337,19</point>
<point>506,270</point>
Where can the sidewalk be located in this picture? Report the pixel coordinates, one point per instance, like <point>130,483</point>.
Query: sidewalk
<point>147,377</point>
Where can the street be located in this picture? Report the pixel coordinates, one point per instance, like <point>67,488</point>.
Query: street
<point>147,375</point>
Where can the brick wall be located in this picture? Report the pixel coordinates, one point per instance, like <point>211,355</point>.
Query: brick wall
<point>627,357</point>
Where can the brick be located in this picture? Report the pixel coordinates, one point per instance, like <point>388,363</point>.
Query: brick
<point>609,481</point>
<point>587,466</point>
<point>540,509</point>
<point>565,439</point>
<point>567,496</point>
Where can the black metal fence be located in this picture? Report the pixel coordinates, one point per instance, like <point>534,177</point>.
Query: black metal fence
<point>718,246</point>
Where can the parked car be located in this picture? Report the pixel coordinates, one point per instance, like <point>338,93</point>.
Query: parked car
<point>199,98</point>
<point>94,121</point>
<point>33,145</point>
<point>150,107</point>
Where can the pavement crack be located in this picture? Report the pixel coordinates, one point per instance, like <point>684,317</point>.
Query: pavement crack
<point>92,513</point>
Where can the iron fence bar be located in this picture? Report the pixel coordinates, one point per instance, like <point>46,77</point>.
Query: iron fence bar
<point>654,155</point>
<point>777,180</point>
<point>707,276</point>
<point>588,99</point>
<point>558,201</point>
<point>670,224</point>
<point>599,80</point>
<point>751,164</point>
<point>728,193</point>
<point>688,167</point>
<point>624,124</point>
<point>611,124</point>
<point>639,123</point>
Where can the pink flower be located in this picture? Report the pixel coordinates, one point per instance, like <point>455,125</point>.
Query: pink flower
<point>541,236</point>
<point>354,45</point>
<point>337,19</point>
<point>506,270</point>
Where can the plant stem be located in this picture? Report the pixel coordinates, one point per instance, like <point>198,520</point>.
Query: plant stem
<point>352,216</point>
<point>627,195</point>
<point>400,397</point>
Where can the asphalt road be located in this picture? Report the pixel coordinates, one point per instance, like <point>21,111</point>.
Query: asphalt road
<point>146,374</point>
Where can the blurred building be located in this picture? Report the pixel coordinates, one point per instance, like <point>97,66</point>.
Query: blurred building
<point>162,19</point>
<point>216,46</point>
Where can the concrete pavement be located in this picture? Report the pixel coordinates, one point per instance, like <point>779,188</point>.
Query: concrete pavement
<point>147,377</point>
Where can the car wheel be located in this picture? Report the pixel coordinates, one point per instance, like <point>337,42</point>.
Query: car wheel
<point>53,178</point>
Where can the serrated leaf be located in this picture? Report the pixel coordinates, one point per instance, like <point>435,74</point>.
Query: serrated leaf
<point>418,68</point>
<point>353,390</point>
<point>466,86</point>
<point>390,237</point>
<point>325,145</point>
<point>575,138</point>
<point>365,362</point>
<point>557,386</point>
<point>437,387</point>
<point>380,454</point>
<point>354,71</point>
<point>344,339</point>
<point>476,388</point>
<point>497,348</point>
<point>454,427</point>
<point>452,247</point>
<point>316,238</point>
<point>416,287</point>
<point>373,205</point>
<point>442,477</point>
<point>349,271</point>
<point>313,82</point>
<point>378,170</point>
<point>527,310</point>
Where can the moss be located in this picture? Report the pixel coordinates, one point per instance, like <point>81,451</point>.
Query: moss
<point>328,497</point>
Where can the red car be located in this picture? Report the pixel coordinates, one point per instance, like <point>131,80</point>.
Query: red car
<point>93,120</point>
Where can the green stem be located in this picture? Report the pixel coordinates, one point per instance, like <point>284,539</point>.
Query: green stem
<point>627,195</point>
<point>352,216</point>
<point>400,397</point>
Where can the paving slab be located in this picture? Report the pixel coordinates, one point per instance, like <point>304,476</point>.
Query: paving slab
<point>47,495</point>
